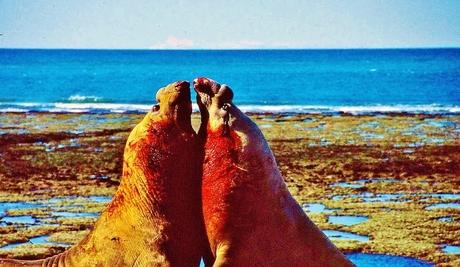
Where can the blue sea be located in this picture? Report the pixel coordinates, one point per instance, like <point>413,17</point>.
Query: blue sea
<point>353,81</point>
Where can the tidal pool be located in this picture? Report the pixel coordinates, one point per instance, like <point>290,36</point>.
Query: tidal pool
<point>51,204</point>
<point>68,214</point>
<point>18,219</point>
<point>4,206</point>
<point>335,234</point>
<point>444,195</point>
<point>35,240</point>
<point>347,220</point>
<point>381,260</point>
<point>361,183</point>
<point>316,208</point>
<point>370,197</point>
<point>443,206</point>
<point>446,219</point>
<point>451,249</point>
<point>357,184</point>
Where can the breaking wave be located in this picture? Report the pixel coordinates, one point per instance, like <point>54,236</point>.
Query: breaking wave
<point>85,104</point>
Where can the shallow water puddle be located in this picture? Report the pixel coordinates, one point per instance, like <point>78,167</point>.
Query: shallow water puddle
<point>444,195</point>
<point>451,249</point>
<point>18,220</point>
<point>370,197</point>
<point>335,234</point>
<point>356,184</point>
<point>35,240</point>
<point>446,219</point>
<point>52,204</point>
<point>99,199</point>
<point>381,260</point>
<point>316,208</point>
<point>361,183</point>
<point>67,214</point>
<point>4,206</point>
<point>443,206</point>
<point>347,220</point>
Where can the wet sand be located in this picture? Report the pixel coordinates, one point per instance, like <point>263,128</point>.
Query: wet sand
<point>390,170</point>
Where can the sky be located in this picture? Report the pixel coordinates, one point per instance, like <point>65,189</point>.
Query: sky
<point>229,24</point>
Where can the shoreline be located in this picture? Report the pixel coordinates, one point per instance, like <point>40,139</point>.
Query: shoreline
<point>389,168</point>
<point>96,105</point>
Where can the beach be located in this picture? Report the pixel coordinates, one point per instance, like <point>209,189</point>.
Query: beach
<point>380,183</point>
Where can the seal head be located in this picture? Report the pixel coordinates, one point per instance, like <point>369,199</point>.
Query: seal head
<point>174,105</point>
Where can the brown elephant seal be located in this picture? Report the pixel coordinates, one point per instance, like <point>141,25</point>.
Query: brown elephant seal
<point>155,217</point>
<point>251,218</point>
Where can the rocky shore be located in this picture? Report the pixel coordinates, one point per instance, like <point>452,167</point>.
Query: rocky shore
<point>391,181</point>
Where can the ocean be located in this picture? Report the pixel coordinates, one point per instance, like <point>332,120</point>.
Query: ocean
<point>300,81</point>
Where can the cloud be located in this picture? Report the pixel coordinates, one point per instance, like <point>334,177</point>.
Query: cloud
<point>174,43</point>
<point>177,43</point>
<point>243,44</point>
<point>246,44</point>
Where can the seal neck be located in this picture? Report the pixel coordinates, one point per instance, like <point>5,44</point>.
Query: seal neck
<point>158,163</point>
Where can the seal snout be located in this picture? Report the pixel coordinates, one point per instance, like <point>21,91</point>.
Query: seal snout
<point>206,86</point>
<point>182,85</point>
<point>181,88</point>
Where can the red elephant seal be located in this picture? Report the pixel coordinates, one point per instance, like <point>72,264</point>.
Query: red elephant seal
<point>251,219</point>
<point>155,217</point>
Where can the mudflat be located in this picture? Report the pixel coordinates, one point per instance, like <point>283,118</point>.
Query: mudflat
<point>385,183</point>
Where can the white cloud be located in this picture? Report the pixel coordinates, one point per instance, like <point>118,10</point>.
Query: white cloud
<point>174,43</point>
<point>177,43</point>
<point>243,44</point>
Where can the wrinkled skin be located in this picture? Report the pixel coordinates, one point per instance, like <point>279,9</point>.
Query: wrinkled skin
<point>155,217</point>
<point>251,218</point>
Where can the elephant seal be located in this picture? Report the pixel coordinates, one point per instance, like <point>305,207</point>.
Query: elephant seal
<point>251,219</point>
<point>155,217</point>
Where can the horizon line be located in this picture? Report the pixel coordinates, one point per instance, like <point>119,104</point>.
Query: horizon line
<point>232,48</point>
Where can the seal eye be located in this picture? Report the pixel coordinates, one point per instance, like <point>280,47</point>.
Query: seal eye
<point>225,106</point>
<point>155,108</point>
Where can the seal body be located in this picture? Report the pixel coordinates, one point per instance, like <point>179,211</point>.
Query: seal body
<point>155,217</point>
<point>251,218</point>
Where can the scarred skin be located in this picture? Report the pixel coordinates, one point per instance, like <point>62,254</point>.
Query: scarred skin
<point>251,218</point>
<point>155,217</point>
